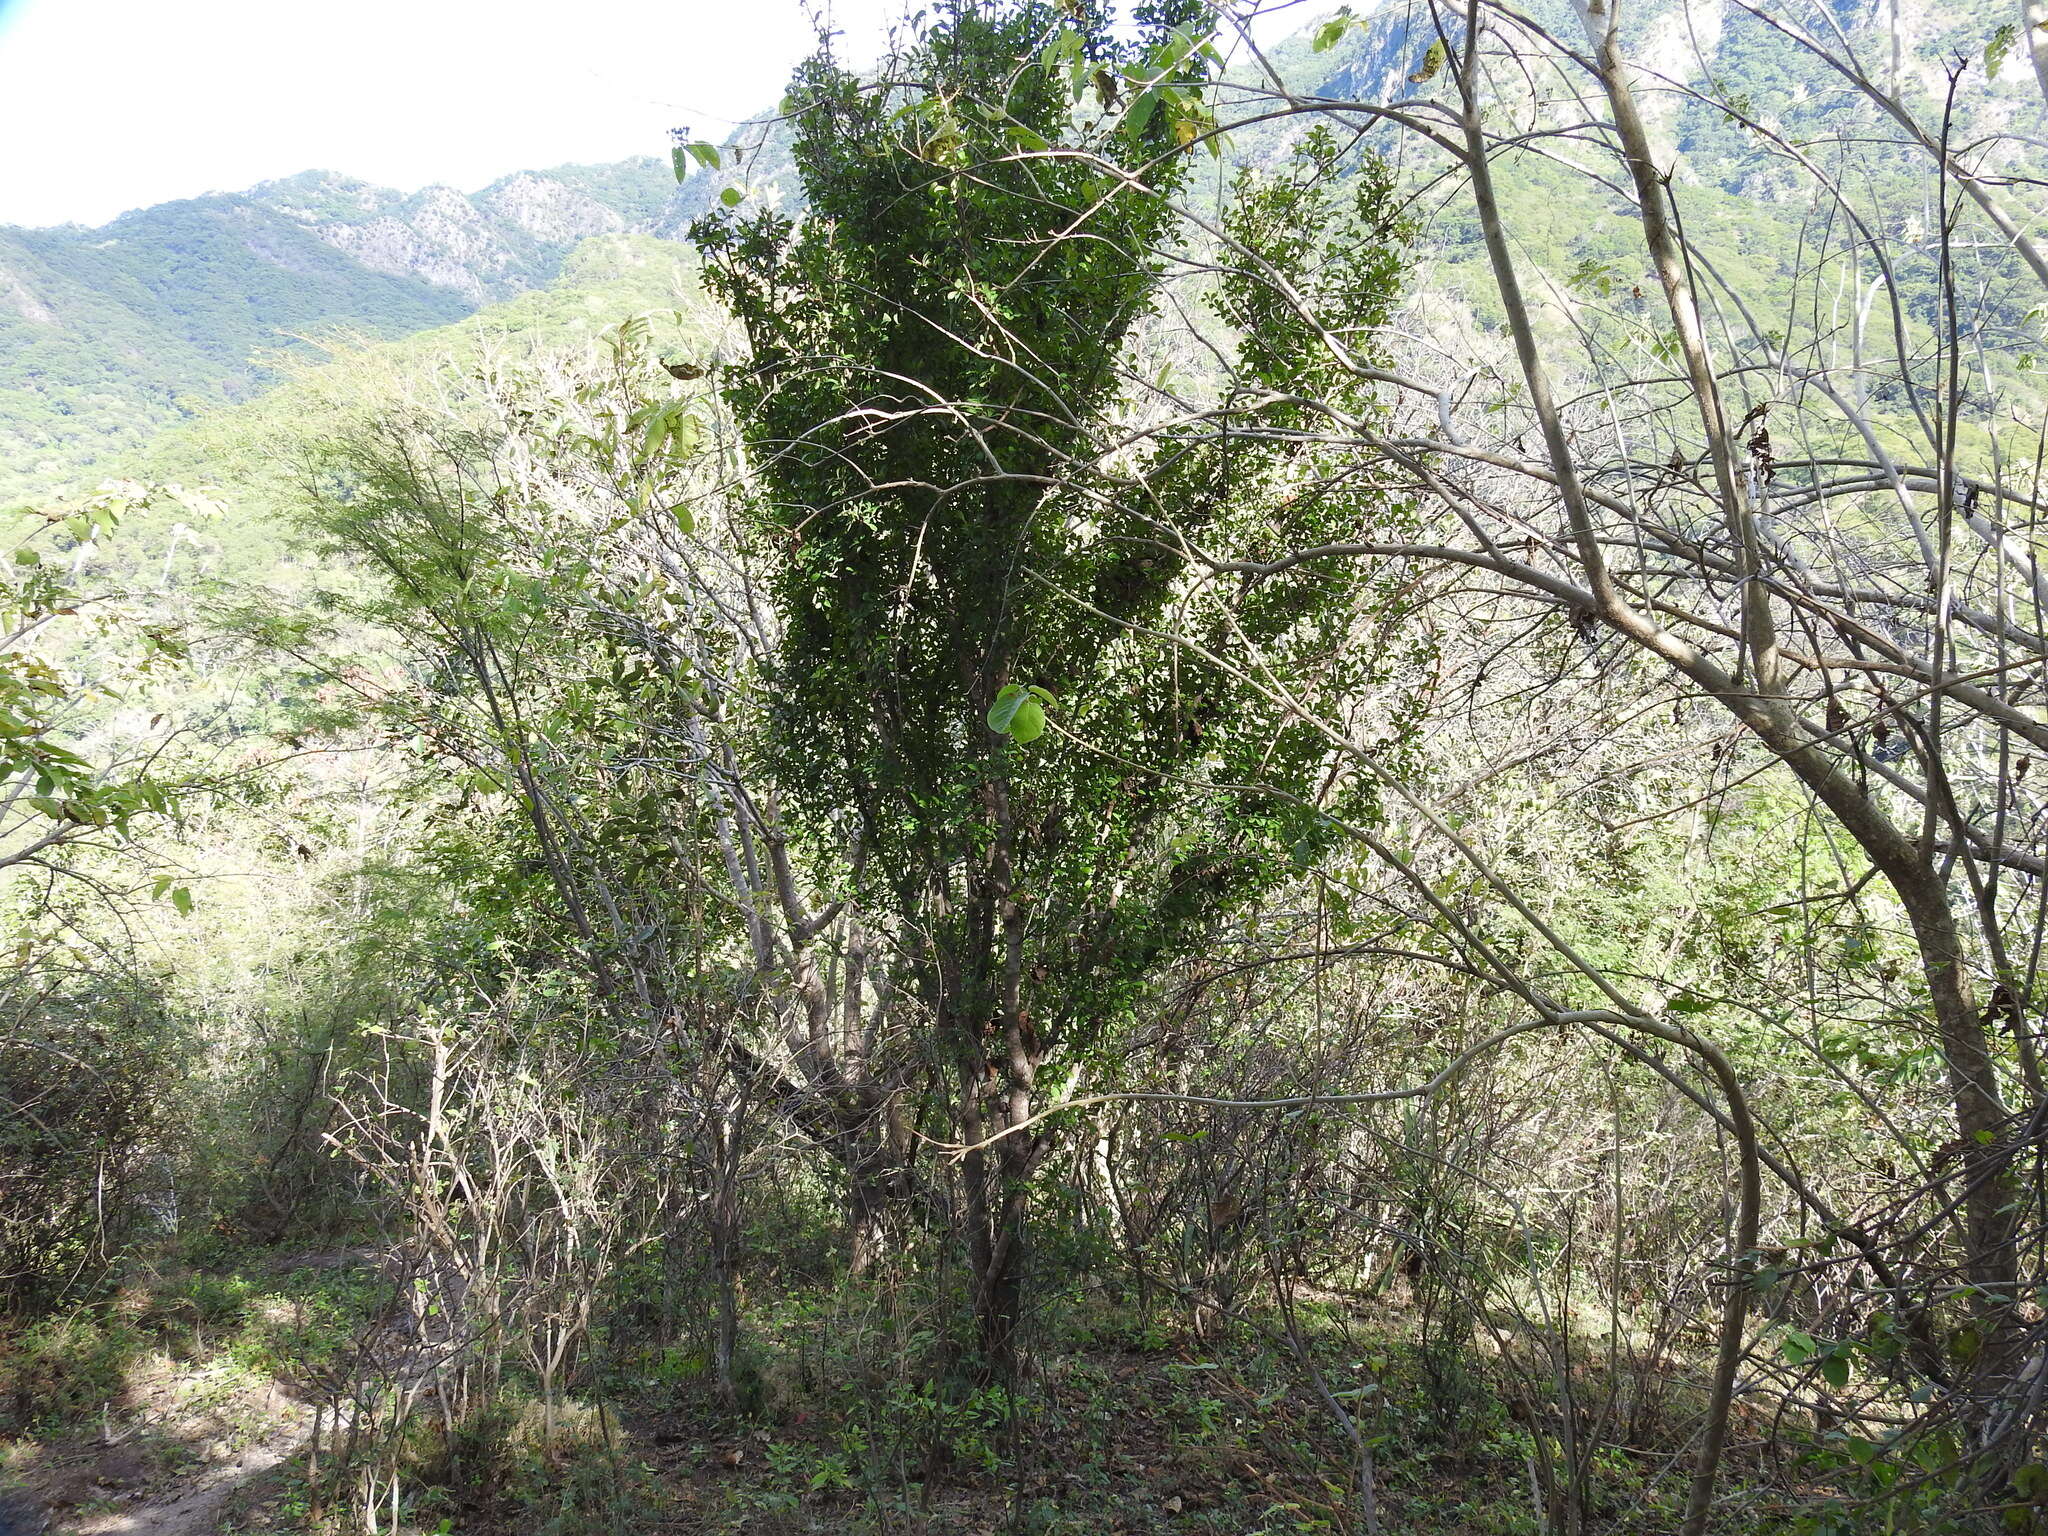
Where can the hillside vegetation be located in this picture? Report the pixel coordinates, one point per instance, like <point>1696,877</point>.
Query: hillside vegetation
<point>1123,784</point>
<point>110,335</point>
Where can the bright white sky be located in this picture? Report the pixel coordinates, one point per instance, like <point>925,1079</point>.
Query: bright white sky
<point>107,105</point>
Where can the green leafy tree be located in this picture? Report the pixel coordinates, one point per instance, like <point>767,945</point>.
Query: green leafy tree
<point>549,560</point>
<point>89,1050</point>
<point>67,651</point>
<point>997,671</point>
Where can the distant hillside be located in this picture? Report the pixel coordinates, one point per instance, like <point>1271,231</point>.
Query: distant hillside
<point>245,449</point>
<point>110,335</point>
<point>251,453</point>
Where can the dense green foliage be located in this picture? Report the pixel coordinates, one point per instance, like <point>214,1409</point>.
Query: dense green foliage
<point>962,553</point>
<point>1170,799</point>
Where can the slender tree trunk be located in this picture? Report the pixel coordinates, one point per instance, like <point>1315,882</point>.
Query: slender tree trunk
<point>867,1202</point>
<point>724,1234</point>
<point>998,1268</point>
<point>2034,32</point>
<point>1758,701</point>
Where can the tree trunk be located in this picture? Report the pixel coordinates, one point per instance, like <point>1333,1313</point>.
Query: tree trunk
<point>723,1230</point>
<point>998,1257</point>
<point>867,1202</point>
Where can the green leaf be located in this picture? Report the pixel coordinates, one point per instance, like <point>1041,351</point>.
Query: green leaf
<point>1331,33</point>
<point>732,197</point>
<point>1999,46</point>
<point>1141,113</point>
<point>1019,712</point>
<point>182,900</point>
<point>1003,712</point>
<point>1834,1369</point>
<point>1432,62</point>
<point>1029,723</point>
<point>1592,276</point>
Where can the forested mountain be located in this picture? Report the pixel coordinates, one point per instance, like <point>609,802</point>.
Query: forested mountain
<point>1126,786</point>
<point>109,335</point>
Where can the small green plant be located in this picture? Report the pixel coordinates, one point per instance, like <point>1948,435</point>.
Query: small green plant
<point>66,1368</point>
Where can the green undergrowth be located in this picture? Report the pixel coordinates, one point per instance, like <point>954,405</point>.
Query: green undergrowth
<point>850,1411</point>
<point>267,1315</point>
<point>852,1408</point>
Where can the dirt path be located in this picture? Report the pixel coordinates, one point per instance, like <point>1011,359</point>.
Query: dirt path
<point>188,1439</point>
<point>174,1477</point>
<point>194,1505</point>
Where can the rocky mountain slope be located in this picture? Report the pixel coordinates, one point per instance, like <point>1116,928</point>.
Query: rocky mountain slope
<point>109,335</point>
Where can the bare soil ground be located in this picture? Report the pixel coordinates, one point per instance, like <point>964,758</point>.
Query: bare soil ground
<point>166,1462</point>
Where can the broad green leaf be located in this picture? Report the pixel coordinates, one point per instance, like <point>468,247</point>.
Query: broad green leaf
<point>1004,711</point>
<point>1141,113</point>
<point>1019,712</point>
<point>1029,723</point>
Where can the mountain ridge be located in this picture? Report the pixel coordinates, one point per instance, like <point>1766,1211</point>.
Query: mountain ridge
<point>111,333</point>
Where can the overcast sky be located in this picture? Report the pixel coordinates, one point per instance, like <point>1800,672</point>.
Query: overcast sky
<point>107,105</point>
